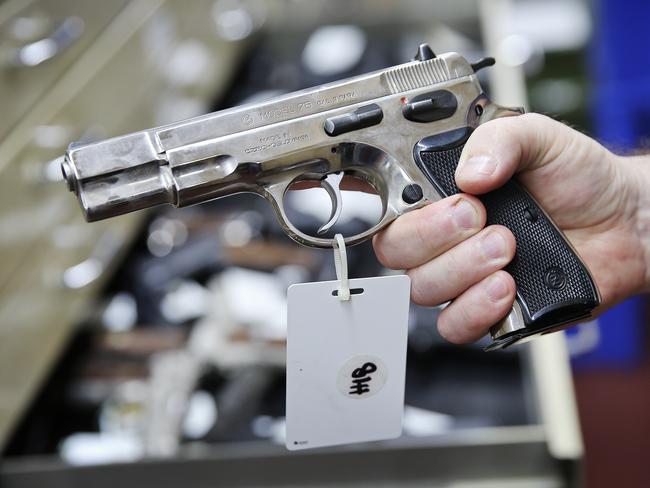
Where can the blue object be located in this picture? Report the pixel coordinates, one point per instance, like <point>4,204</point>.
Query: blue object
<point>620,67</point>
<point>614,339</point>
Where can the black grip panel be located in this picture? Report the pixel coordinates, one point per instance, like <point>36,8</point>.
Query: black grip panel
<point>553,285</point>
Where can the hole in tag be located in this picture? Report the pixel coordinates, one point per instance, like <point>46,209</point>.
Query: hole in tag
<point>353,291</point>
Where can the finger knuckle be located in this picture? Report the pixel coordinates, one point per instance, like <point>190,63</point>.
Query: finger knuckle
<point>535,118</point>
<point>422,227</point>
<point>454,262</point>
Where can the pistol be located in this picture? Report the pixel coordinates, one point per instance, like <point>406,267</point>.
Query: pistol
<point>400,129</point>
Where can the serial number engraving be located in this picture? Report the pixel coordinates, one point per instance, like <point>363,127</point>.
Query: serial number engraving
<point>341,97</point>
<point>276,140</point>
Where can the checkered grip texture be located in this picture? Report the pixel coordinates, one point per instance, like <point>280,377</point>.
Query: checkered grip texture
<point>543,256</point>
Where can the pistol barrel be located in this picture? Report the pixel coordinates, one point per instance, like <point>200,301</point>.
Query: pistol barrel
<point>118,176</point>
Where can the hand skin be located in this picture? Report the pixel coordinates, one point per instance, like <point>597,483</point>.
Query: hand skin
<point>601,201</point>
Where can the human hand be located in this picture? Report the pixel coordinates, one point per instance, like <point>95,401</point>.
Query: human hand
<point>591,194</point>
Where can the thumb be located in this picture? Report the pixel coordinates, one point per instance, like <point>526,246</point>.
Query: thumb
<point>502,147</point>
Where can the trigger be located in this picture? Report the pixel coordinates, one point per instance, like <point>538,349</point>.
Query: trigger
<point>331,185</point>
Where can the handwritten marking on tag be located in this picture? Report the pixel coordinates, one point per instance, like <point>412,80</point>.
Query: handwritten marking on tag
<point>362,376</point>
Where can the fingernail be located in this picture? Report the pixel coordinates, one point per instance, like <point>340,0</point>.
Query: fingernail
<point>496,289</point>
<point>494,245</point>
<point>479,165</point>
<point>464,214</point>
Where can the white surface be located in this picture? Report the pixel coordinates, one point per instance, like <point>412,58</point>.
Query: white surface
<point>419,422</point>
<point>187,300</point>
<point>554,25</point>
<point>256,300</point>
<point>356,205</point>
<point>324,333</point>
<point>507,83</point>
<point>89,448</point>
<point>201,415</point>
<point>334,49</point>
<point>557,402</point>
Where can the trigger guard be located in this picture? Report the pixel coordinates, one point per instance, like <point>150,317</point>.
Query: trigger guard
<point>375,165</point>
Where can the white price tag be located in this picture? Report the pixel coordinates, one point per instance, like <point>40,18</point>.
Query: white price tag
<point>346,361</point>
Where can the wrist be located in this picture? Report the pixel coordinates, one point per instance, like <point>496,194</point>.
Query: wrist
<point>636,171</point>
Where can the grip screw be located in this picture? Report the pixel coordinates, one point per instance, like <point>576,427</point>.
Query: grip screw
<point>412,193</point>
<point>555,278</point>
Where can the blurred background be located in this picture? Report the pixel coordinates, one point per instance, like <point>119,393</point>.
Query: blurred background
<point>130,351</point>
